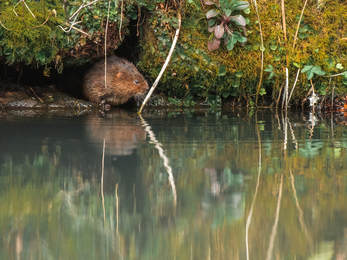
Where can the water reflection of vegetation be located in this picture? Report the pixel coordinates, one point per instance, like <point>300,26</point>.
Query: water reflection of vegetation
<point>49,210</point>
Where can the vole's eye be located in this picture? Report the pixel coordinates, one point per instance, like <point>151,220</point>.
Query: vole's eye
<point>136,82</point>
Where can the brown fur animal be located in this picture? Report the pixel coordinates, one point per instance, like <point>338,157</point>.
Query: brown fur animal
<point>123,82</point>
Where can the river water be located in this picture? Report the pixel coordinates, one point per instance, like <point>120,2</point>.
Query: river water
<point>178,184</point>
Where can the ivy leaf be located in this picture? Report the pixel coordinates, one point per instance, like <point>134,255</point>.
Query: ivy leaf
<point>211,13</point>
<point>271,70</point>
<point>307,68</point>
<point>219,31</point>
<point>214,45</point>
<point>317,70</point>
<point>238,19</point>
<point>311,70</point>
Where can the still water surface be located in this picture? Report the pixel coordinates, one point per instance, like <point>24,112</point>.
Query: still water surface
<point>194,184</point>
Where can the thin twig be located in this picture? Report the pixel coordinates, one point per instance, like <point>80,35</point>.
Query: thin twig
<point>121,20</point>
<point>342,73</point>
<point>75,28</point>
<point>284,21</point>
<point>36,95</point>
<point>279,95</point>
<point>82,7</point>
<point>117,207</point>
<point>296,79</point>
<point>102,178</point>
<point>274,228</point>
<point>297,29</point>
<point>262,54</point>
<point>165,64</point>
<point>23,8</point>
<point>4,26</point>
<point>332,97</point>
<point>108,16</point>
<point>249,218</point>
<point>35,26</point>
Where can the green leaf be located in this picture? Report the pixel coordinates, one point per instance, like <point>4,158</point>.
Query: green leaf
<point>222,71</point>
<point>307,68</point>
<point>317,70</point>
<point>241,39</point>
<point>133,16</point>
<point>227,12</point>
<point>225,94</point>
<point>277,58</point>
<point>344,80</point>
<point>296,65</point>
<point>310,74</point>
<point>240,5</point>
<point>238,19</point>
<point>262,91</point>
<point>247,10</point>
<point>180,51</point>
<point>238,74</point>
<point>271,70</point>
<point>175,101</point>
<point>230,45</point>
<point>188,101</point>
<point>273,47</point>
<point>211,13</point>
<point>236,83</point>
<point>40,56</point>
<point>211,22</point>
<point>151,7</point>
<point>7,51</point>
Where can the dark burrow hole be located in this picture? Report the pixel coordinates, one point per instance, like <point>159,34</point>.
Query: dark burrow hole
<point>71,79</point>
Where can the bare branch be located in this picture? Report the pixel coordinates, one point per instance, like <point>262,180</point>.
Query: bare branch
<point>81,7</point>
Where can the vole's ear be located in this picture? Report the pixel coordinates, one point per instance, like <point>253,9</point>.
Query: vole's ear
<point>119,75</point>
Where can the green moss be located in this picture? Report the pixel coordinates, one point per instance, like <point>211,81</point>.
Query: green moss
<point>194,70</point>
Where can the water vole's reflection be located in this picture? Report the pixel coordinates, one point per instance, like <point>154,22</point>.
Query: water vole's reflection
<point>121,133</point>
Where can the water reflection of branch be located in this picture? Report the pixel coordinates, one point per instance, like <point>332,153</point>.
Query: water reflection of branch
<point>249,218</point>
<point>284,121</point>
<point>292,132</point>
<point>274,228</point>
<point>301,215</point>
<point>162,155</point>
<point>102,178</point>
<point>116,191</point>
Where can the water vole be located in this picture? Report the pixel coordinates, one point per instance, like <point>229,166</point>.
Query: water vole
<point>123,82</point>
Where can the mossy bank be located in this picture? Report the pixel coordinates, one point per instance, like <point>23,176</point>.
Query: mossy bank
<point>54,35</point>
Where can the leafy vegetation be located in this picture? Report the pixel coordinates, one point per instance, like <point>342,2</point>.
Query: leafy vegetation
<point>194,71</point>
<point>220,23</point>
